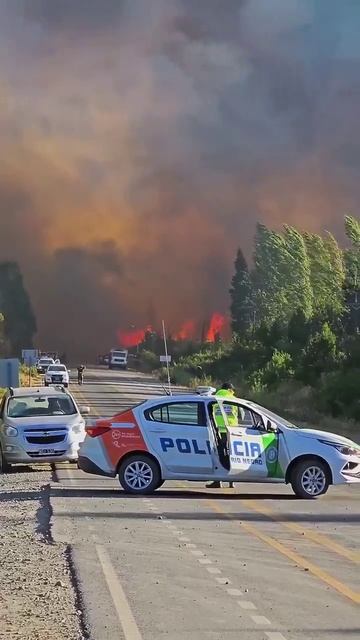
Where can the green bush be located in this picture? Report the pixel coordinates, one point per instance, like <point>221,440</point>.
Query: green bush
<point>278,368</point>
<point>339,394</point>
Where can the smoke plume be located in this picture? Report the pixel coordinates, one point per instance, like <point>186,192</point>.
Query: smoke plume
<point>141,142</point>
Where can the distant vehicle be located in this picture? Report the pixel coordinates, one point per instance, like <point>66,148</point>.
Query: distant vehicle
<point>43,363</point>
<point>118,359</point>
<point>39,425</point>
<point>176,438</point>
<point>56,374</point>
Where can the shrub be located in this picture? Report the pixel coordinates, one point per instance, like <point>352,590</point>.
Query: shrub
<point>339,394</point>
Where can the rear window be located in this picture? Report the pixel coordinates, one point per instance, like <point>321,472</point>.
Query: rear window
<point>185,413</point>
<point>37,406</point>
<point>46,362</point>
<point>119,354</point>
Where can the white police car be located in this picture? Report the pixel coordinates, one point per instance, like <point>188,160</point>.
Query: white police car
<point>175,438</point>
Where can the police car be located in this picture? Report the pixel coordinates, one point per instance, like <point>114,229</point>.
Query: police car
<point>175,438</point>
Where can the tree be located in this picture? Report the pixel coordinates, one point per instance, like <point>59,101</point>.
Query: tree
<point>327,275</point>
<point>321,354</point>
<point>241,306</point>
<point>299,293</point>
<point>19,322</point>
<point>267,276</point>
<point>352,273</point>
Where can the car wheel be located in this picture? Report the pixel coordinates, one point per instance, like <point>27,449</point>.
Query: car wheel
<point>66,385</point>
<point>4,466</point>
<point>139,474</point>
<point>310,478</point>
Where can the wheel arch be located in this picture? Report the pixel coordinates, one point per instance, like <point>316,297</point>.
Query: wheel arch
<point>302,458</point>
<point>130,454</point>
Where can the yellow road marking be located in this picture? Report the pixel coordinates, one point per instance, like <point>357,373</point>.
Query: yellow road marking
<point>318,538</point>
<point>342,588</point>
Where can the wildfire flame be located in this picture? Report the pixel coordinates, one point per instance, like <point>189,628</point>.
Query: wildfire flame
<point>218,324</point>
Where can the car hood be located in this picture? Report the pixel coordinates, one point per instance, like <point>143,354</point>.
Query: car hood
<point>326,435</point>
<point>45,421</point>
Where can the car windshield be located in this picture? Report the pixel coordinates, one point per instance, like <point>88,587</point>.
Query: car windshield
<point>274,416</point>
<point>46,362</point>
<point>57,368</point>
<point>37,406</point>
<point>119,354</point>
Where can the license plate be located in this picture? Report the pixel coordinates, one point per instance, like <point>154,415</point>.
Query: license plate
<point>46,452</point>
<point>57,379</point>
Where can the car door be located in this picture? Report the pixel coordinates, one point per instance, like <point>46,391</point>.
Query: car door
<point>253,450</point>
<point>178,434</point>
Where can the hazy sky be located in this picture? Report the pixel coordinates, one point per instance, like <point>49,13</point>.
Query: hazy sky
<point>142,140</point>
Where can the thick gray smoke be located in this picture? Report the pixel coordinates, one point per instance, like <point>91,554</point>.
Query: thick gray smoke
<point>141,141</point>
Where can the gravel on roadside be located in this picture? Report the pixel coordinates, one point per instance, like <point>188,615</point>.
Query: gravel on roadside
<point>37,598</point>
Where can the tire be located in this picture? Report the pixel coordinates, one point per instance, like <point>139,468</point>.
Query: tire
<point>46,384</point>
<point>66,385</point>
<point>143,464</point>
<point>310,479</point>
<point>4,466</point>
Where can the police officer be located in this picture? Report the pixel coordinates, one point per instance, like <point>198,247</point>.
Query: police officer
<point>226,391</point>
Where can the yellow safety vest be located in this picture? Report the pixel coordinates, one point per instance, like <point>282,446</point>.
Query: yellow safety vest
<point>231,412</point>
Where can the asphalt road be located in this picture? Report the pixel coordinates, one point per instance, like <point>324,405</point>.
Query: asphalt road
<point>190,564</point>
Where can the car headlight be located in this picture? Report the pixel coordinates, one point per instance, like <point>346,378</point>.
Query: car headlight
<point>11,431</point>
<point>344,449</point>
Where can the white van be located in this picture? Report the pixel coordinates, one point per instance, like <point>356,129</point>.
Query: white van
<point>118,359</point>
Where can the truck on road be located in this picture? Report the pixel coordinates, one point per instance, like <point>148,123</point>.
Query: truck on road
<point>118,358</point>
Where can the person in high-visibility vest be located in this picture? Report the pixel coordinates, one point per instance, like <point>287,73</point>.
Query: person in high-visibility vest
<point>231,412</point>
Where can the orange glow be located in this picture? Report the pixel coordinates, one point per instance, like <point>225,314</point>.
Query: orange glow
<point>187,331</point>
<point>132,338</point>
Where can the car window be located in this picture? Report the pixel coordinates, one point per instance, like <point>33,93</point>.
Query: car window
<point>186,413</point>
<point>237,415</point>
<point>37,406</point>
<point>57,368</point>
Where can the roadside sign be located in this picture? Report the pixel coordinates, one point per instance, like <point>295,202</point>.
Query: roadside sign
<point>30,356</point>
<point>166,359</point>
<point>9,372</point>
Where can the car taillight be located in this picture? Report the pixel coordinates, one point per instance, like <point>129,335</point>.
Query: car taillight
<point>96,430</point>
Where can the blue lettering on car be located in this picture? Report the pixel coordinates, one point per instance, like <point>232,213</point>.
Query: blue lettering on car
<point>246,449</point>
<point>183,445</point>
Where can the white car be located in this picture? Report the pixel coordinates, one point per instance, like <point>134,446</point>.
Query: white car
<point>57,374</point>
<point>176,438</point>
<point>39,425</point>
<point>43,363</point>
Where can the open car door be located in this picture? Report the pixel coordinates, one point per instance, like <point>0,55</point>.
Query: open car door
<point>253,451</point>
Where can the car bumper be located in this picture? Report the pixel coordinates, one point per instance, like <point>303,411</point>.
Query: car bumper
<point>15,454</point>
<point>88,466</point>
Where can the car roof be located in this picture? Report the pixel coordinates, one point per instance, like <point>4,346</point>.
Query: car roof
<point>31,391</point>
<point>193,397</point>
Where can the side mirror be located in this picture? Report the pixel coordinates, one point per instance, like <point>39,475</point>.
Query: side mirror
<point>271,426</point>
<point>84,410</point>
<point>69,370</point>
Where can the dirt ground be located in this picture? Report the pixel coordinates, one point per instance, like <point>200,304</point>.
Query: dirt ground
<point>37,597</point>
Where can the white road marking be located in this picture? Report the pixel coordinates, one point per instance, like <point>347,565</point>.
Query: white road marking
<point>126,618</point>
<point>213,570</point>
<point>234,592</point>
<point>260,620</point>
<point>191,545</point>
<point>274,635</point>
<point>196,552</point>
<point>204,561</point>
<point>245,604</point>
<point>184,539</point>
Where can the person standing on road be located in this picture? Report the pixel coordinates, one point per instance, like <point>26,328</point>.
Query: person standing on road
<point>226,391</point>
<point>80,370</point>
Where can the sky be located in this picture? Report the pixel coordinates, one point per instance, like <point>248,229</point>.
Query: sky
<point>143,139</point>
